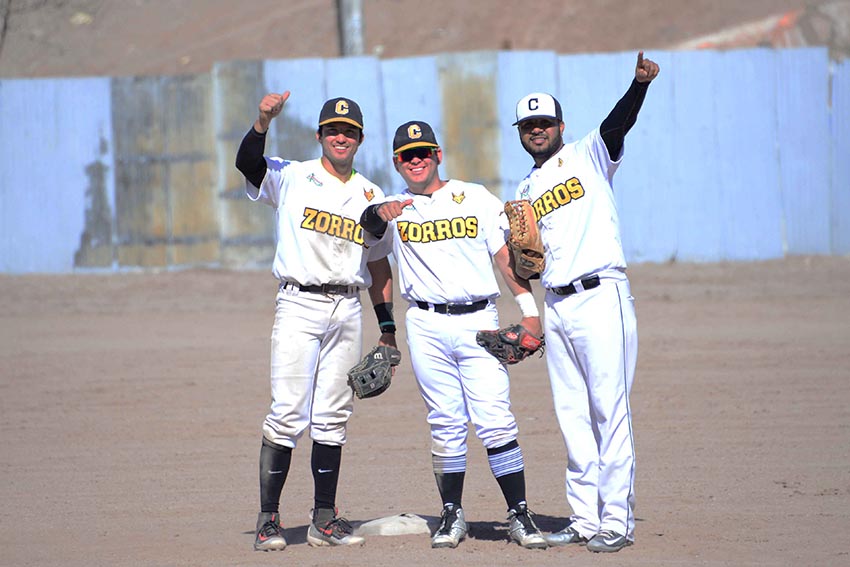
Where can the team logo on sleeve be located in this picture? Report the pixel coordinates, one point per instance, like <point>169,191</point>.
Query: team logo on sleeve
<point>525,189</point>
<point>558,196</point>
<point>369,194</point>
<point>458,198</point>
<point>333,225</point>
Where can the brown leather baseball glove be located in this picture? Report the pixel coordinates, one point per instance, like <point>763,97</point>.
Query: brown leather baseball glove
<point>510,345</point>
<point>525,243</point>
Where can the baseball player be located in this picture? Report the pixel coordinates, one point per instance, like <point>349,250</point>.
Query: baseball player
<point>322,266</point>
<point>590,325</point>
<point>446,235</point>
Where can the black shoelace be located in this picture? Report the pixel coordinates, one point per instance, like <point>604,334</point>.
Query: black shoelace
<point>524,518</point>
<point>270,529</point>
<point>448,520</point>
<point>339,526</point>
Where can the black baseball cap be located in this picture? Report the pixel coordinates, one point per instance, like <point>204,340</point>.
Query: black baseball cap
<point>414,134</point>
<point>341,109</point>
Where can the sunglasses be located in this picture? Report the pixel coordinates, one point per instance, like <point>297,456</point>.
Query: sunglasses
<point>421,153</point>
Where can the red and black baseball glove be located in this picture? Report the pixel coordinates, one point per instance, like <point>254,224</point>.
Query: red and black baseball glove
<point>510,345</point>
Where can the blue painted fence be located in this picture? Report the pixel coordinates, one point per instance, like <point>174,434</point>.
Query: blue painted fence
<point>737,155</point>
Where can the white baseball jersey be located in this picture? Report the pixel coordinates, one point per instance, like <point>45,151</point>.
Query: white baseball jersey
<point>319,238</point>
<point>440,243</point>
<point>576,212</point>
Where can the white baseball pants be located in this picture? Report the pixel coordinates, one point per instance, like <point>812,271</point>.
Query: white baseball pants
<point>591,352</point>
<point>316,339</point>
<point>459,380</point>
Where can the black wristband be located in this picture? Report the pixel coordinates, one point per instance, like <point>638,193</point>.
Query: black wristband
<point>372,222</point>
<point>384,313</point>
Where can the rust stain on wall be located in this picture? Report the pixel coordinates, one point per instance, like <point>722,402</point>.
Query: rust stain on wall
<point>95,249</point>
<point>165,171</point>
<point>470,128</point>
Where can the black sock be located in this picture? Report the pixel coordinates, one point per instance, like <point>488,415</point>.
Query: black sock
<point>513,488</point>
<point>450,486</point>
<point>325,462</point>
<point>274,467</point>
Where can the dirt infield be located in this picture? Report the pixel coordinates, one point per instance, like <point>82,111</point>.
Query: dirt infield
<point>130,411</point>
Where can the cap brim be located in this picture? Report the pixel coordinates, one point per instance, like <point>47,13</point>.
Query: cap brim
<point>338,119</point>
<point>555,118</point>
<point>415,145</point>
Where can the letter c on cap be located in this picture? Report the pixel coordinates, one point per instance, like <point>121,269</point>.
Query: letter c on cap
<point>414,131</point>
<point>533,104</point>
<point>342,107</point>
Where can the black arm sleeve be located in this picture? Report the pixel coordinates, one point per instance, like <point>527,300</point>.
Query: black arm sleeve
<point>621,119</point>
<point>249,158</point>
<point>372,222</point>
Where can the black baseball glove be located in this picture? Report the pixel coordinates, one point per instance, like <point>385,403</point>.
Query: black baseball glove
<point>372,375</point>
<point>510,345</point>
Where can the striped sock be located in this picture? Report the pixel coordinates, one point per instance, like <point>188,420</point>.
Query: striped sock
<point>508,467</point>
<point>450,473</point>
<point>443,465</point>
<point>506,459</point>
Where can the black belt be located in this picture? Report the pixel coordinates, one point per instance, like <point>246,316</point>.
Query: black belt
<point>586,283</point>
<point>454,308</point>
<point>323,288</point>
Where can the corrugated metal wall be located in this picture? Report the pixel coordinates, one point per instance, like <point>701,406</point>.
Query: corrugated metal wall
<point>57,191</point>
<point>839,135</point>
<point>736,155</point>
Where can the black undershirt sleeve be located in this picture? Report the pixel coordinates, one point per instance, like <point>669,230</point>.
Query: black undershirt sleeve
<point>249,157</point>
<point>621,119</point>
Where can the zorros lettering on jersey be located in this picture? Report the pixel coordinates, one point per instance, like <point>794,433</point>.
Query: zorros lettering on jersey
<point>433,231</point>
<point>332,225</point>
<point>558,196</point>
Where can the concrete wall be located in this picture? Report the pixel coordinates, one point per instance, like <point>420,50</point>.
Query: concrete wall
<point>736,155</point>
